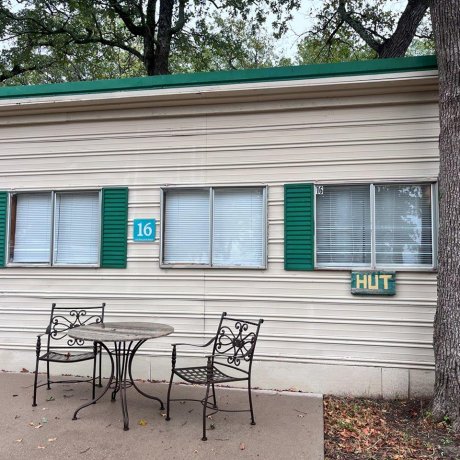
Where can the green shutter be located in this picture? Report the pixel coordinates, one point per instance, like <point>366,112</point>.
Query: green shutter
<point>114,240</point>
<point>3,226</point>
<point>299,227</point>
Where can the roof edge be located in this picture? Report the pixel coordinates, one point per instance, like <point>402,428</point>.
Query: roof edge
<point>376,66</point>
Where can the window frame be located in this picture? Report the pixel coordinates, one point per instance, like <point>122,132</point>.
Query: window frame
<point>211,188</point>
<point>373,265</point>
<point>50,264</point>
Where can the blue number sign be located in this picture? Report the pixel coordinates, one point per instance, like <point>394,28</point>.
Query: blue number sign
<point>144,230</point>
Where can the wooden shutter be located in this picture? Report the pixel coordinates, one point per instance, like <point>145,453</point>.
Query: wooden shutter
<point>299,227</point>
<point>114,238</point>
<point>3,226</point>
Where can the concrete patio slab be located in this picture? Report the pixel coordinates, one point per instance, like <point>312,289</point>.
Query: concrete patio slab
<point>289,425</point>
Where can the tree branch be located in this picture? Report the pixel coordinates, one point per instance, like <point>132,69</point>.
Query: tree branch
<point>127,19</point>
<point>357,26</point>
<point>400,40</point>
<point>181,19</point>
<point>18,70</point>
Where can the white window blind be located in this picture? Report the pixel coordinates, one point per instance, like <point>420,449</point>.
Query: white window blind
<point>403,225</point>
<point>343,226</point>
<point>186,228</point>
<point>238,227</point>
<point>77,228</point>
<point>32,233</point>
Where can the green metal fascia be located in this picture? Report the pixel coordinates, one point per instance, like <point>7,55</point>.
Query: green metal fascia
<point>377,66</point>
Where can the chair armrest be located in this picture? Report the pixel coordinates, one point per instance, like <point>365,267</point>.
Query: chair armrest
<point>193,345</point>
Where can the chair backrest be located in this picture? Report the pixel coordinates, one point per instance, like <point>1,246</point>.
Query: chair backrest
<point>236,341</point>
<point>64,318</point>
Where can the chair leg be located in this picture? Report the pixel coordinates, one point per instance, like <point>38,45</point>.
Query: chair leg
<point>168,397</point>
<point>250,403</point>
<point>48,381</point>
<point>100,366</point>
<point>214,397</point>
<point>205,406</point>
<point>94,373</point>
<point>34,403</point>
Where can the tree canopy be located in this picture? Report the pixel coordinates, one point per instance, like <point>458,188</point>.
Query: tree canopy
<point>51,40</point>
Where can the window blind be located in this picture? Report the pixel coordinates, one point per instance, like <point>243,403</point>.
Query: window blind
<point>403,224</point>
<point>186,230</point>
<point>77,228</point>
<point>238,227</point>
<point>32,235</point>
<point>343,226</point>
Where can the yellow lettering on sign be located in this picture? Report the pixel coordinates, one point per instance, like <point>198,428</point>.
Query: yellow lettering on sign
<point>385,279</point>
<point>369,281</point>
<point>361,281</point>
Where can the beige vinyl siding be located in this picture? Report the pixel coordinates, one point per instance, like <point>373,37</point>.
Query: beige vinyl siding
<point>352,133</point>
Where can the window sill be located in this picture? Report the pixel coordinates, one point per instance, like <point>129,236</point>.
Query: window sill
<point>209,267</point>
<point>31,265</point>
<point>376,269</point>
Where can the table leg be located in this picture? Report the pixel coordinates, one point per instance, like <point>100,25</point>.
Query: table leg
<point>138,345</point>
<point>93,401</point>
<point>124,351</point>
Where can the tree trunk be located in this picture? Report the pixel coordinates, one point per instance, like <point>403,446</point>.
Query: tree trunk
<point>164,36</point>
<point>400,40</point>
<point>445,16</point>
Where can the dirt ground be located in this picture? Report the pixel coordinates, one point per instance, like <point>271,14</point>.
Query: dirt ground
<point>358,429</point>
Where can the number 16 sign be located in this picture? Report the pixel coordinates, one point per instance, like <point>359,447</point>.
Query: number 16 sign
<point>144,230</point>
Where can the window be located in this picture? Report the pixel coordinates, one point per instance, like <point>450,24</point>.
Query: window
<point>55,228</point>
<point>372,226</point>
<point>214,227</point>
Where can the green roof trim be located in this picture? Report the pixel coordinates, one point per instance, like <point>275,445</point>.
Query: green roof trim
<point>377,66</point>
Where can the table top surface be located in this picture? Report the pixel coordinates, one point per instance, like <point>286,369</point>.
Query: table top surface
<point>120,331</point>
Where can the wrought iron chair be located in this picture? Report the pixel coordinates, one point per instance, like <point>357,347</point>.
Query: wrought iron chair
<point>62,349</point>
<point>230,361</point>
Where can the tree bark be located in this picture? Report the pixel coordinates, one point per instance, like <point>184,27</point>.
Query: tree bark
<point>445,16</point>
<point>163,39</point>
<point>400,40</point>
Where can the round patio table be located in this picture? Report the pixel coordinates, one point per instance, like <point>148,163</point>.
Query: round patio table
<point>127,338</point>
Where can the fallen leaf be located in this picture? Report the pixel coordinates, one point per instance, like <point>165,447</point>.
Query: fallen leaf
<point>24,370</point>
<point>14,396</point>
<point>31,423</point>
<point>50,398</point>
<point>19,440</point>
<point>51,439</point>
<point>242,446</point>
<point>38,426</point>
<point>163,414</point>
<point>142,422</point>
<point>17,416</point>
<point>44,420</point>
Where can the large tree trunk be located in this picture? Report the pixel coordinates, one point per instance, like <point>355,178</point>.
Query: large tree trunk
<point>163,39</point>
<point>445,16</point>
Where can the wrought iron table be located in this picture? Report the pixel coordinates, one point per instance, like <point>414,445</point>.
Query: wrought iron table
<point>127,338</point>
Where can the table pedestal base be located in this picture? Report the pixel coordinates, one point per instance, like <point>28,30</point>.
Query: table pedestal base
<point>121,377</point>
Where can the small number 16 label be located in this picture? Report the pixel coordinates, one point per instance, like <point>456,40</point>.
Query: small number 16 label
<point>144,230</point>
